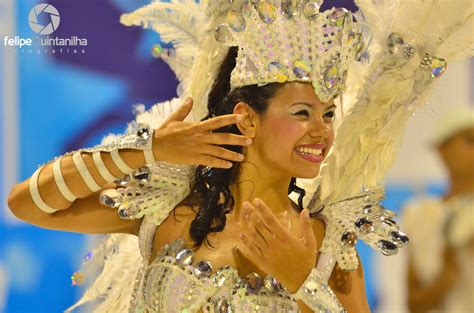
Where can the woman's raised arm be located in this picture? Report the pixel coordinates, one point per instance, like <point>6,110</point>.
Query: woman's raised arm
<point>64,194</point>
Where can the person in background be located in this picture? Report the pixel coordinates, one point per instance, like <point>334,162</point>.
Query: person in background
<point>440,255</point>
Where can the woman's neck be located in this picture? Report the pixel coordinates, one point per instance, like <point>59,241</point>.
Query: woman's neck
<point>251,184</point>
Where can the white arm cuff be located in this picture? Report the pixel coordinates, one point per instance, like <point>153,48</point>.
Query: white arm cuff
<point>84,171</point>
<point>59,179</point>
<point>104,172</point>
<point>35,195</point>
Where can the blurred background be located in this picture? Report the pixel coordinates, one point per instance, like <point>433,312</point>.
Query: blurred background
<point>53,101</point>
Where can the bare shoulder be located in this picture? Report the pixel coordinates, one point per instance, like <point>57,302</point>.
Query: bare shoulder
<point>177,224</point>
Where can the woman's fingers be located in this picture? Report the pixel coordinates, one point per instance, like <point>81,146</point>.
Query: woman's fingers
<point>255,226</point>
<point>211,161</point>
<point>220,121</point>
<point>270,219</point>
<point>227,139</point>
<point>221,153</point>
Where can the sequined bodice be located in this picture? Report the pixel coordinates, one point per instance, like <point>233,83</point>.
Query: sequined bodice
<point>171,284</point>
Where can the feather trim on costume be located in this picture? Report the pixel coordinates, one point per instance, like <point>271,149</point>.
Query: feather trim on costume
<point>395,86</point>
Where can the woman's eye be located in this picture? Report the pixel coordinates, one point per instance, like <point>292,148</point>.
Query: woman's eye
<point>302,112</point>
<point>331,115</point>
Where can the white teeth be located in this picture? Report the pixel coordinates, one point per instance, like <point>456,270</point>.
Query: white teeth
<point>306,150</point>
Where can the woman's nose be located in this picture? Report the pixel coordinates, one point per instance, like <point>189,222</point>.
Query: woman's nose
<point>318,128</point>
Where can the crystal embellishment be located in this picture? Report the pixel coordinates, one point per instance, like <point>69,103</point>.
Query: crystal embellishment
<point>339,17</point>
<point>387,247</point>
<point>438,67</point>
<point>110,198</point>
<point>289,9</point>
<point>203,269</point>
<point>349,238</point>
<point>399,238</point>
<point>302,69</point>
<point>277,71</point>
<point>236,21</point>
<point>364,225</point>
<point>311,9</point>
<point>332,77</point>
<point>254,283</point>
<point>222,33</point>
<point>395,43</point>
<point>266,12</point>
<point>185,257</point>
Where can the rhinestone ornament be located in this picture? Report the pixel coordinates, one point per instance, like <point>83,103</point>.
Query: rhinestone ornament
<point>236,21</point>
<point>222,33</point>
<point>156,51</point>
<point>185,257</point>
<point>332,77</point>
<point>339,17</point>
<point>311,9</point>
<point>395,43</point>
<point>302,69</point>
<point>387,247</point>
<point>110,198</point>
<point>266,12</point>
<point>203,269</point>
<point>438,66</point>
<point>399,238</point>
<point>349,238</point>
<point>364,225</point>
<point>254,283</point>
<point>289,9</point>
<point>277,71</point>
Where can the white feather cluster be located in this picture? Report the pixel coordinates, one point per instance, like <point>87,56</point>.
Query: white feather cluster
<point>392,90</point>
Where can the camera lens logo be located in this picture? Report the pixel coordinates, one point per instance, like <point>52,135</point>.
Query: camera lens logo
<point>44,19</point>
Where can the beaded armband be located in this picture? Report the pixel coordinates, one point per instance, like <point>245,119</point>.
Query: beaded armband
<point>152,190</point>
<point>317,294</point>
<point>361,217</point>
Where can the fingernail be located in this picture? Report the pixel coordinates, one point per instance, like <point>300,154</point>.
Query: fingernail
<point>256,201</point>
<point>187,100</point>
<point>228,165</point>
<point>241,236</point>
<point>306,213</point>
<point>240,117</point>
<point>246,205</point>
<point>241,157</point>
<point>248,141</point>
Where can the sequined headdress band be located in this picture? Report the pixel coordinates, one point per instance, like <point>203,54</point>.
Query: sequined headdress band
<point>291,42</point>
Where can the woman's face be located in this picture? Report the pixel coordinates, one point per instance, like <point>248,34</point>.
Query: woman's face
<point>295,133</point>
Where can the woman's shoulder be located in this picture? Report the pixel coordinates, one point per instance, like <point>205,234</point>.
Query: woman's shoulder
<point>177,224</point>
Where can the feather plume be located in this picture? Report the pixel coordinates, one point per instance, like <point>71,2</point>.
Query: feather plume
<point>387,96</point>
<point>177,23</point>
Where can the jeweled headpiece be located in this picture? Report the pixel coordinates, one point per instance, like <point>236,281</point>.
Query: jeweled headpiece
<point>291,42</point>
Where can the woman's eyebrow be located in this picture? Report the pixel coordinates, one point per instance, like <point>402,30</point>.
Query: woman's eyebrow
<point>311,106</point>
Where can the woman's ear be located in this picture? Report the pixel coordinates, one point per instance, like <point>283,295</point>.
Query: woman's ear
<point>248,126</point>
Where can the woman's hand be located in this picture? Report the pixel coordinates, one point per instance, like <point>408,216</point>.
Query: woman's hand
<point>273,249</point>
<point>180,142</point>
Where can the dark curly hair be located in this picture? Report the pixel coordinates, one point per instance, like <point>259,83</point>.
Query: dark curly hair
<point>212,183</point>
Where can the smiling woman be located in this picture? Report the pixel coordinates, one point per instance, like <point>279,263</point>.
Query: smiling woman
<point>205,187</point>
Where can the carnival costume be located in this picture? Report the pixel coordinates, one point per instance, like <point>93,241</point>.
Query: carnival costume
<point>280,42</point>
